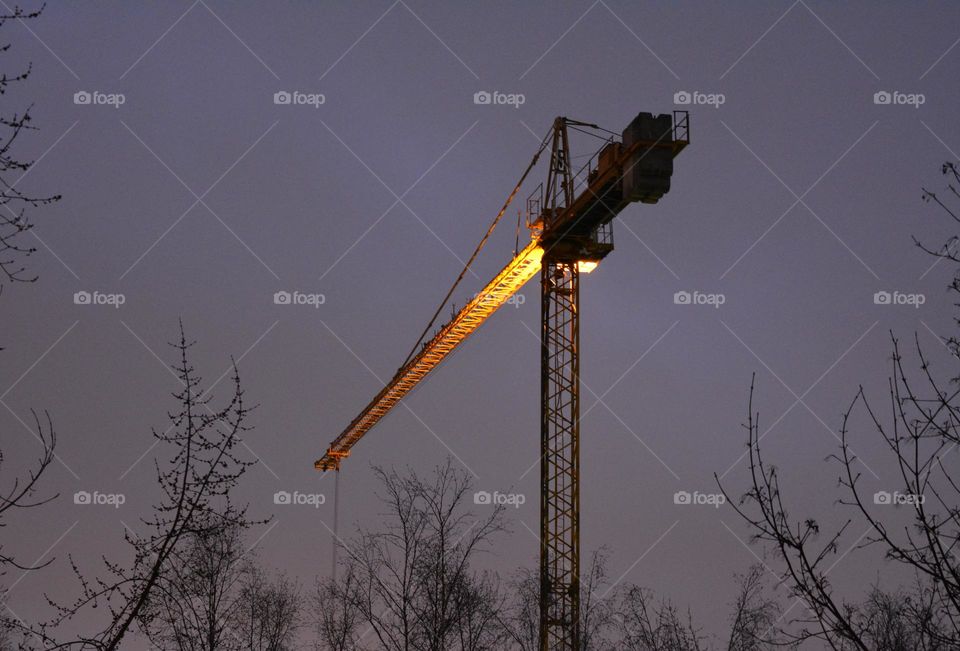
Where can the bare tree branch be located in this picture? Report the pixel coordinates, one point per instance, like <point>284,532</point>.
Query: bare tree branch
<point>196,483</point>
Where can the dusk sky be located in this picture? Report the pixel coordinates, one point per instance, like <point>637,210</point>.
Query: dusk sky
<point>191,194</point>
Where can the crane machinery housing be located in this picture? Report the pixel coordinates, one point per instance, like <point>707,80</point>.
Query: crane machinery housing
<point>569,216</point>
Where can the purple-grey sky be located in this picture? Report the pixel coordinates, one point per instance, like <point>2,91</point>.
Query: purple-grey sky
<point>199,197</point>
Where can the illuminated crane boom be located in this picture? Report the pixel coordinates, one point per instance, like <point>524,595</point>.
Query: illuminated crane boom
<point>522,268</point>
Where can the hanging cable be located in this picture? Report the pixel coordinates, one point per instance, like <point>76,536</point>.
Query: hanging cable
<point>476,251</point>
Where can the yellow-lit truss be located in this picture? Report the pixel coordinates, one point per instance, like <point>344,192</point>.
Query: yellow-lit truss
<point>514,276</point>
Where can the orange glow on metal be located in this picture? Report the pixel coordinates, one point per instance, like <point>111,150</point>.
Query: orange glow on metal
<point>506,283</point>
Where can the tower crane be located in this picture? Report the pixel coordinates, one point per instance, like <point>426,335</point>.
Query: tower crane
<point>569,216</point>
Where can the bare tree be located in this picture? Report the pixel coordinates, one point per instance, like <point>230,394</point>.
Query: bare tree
<point>17,496</point>
<point>478,607</point>
<point>948,251</point>
<point>641,622</point>
<point>449,592</point>
<point>806,560</point>
<point>522,618</point>
<point>598,607</point>
<point>755,615</point>
<point>644,624</point>
<point>7,630</point>
<point>597,610</point>
<point>20,493</point>
<point>14,222</point>
<point>337,616</point>
<point>195,601</point>
<point>212,596</point>
<point>414,585</point>
<point>269,614</point>
<point>196,482</point>
<point>806,556</point>
<point>897,621</point>
<point>409,587</point>
<point>920,428</point>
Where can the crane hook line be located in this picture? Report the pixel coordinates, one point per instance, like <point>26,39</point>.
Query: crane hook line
<point>476,251</point>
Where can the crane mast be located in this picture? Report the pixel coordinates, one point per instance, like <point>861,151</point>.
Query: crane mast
<point>570,218</point>
<point>576,236</point>
<point>560,401</point>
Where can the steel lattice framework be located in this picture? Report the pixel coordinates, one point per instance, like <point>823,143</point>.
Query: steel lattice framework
<point>560,460</point>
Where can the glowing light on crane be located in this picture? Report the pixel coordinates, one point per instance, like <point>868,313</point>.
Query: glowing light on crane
<point>511,278</point>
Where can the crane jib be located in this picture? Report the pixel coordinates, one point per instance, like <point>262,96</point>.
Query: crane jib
<point>515,275</point>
